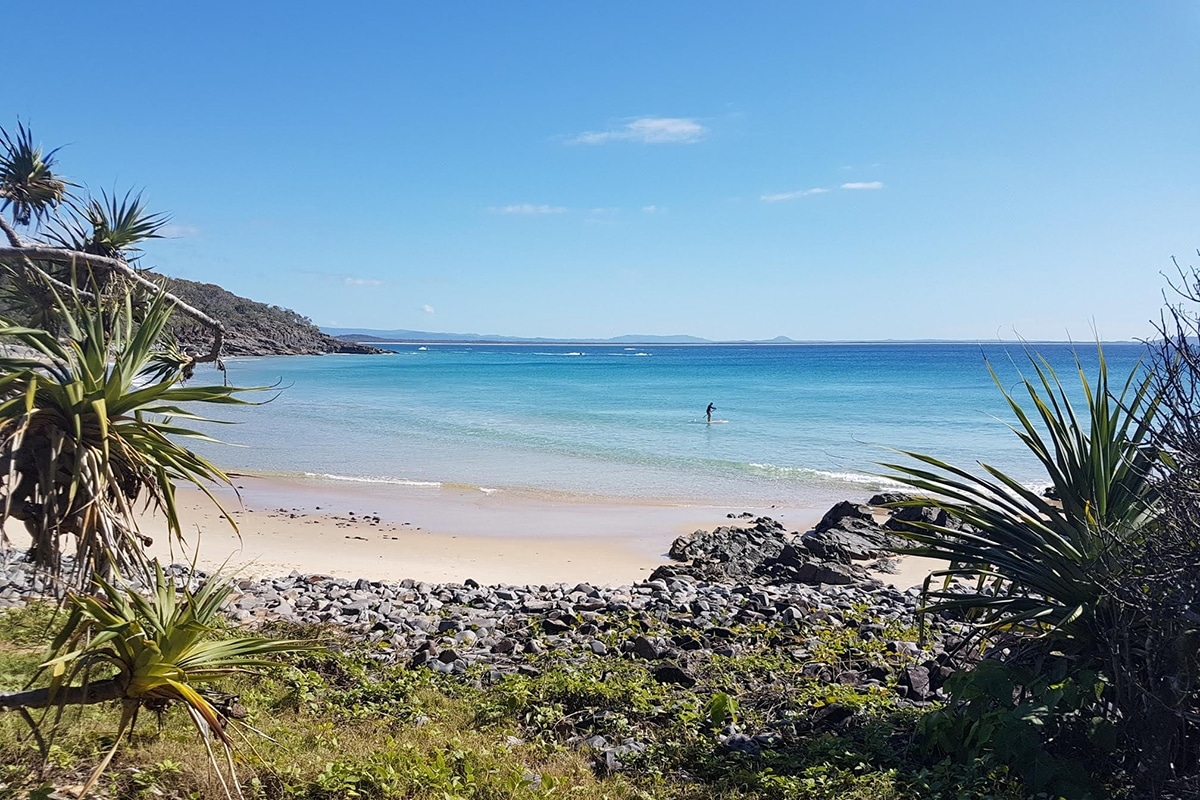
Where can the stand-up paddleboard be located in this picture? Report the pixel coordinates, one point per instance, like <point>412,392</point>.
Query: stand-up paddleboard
<point>707,422</point>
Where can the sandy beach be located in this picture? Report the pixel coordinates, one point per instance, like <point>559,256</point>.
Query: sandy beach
<point>440,534</point>
<point>388,532</point>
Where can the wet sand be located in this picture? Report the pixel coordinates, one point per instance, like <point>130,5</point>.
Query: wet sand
<point>389,532</point>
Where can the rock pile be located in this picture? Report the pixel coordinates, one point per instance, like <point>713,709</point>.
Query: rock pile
<point>762,550</point>
<point>733,577</point>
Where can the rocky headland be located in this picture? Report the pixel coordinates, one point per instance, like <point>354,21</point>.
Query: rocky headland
<point>252,328</point>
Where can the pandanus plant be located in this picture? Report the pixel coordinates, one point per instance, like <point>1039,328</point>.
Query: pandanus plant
<point>89,429</point>
<point>157,649</point>
<point>1038,565</point>
<point>29,187</point>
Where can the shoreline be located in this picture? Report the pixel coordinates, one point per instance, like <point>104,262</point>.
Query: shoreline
<point>446,534</point>
<point>435,534</point>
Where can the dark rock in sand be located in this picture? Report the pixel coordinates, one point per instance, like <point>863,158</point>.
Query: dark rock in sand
<point>843,510</point>
<point>929,515</point>
<point>888,498</point>
<point>679,548</point>
<point>849,539</point>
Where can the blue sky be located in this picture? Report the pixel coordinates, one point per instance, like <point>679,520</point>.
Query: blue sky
<point>729,170</point>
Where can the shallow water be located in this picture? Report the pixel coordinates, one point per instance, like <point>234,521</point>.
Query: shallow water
<point>799,424</point>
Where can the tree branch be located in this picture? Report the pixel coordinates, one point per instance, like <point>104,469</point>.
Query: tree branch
<point>57,255</point>
<point>62,256</point>
<point>13,239</point>
<point>99,692</point>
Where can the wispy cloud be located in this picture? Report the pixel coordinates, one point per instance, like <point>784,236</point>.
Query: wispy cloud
<point>779,197</point>
<point>176,231</point>
<point>652,209</point>
<point>352,281</point>
<point>863,185</point>
<point>647,130</point>
<point>428,309</point>
<point>528,208</point>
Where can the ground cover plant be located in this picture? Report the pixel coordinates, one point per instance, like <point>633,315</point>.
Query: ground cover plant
<point>343,722</point>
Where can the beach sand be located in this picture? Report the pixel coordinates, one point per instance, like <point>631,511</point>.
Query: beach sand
<point>443,534</point>
<point>387,532</point>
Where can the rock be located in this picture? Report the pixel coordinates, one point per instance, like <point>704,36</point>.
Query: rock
<point>841,511</point>
<point>831,716</point>
<point>916,679</point>
<point>741,743</point>
<point>901,520</point>
<point>669,673</point>
<point>679,548</point>
<point>849,539</point>
<point>827,573</point>
<point>644,648</point>
<point>888,498</point>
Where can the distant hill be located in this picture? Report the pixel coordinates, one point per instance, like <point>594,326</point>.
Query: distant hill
<point>252,328</point>
<point>376,335</point>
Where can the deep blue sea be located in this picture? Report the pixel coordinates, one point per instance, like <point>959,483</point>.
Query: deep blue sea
<point>798,424</point>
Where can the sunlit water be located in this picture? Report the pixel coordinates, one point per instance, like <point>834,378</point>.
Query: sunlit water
<point>797,424</point>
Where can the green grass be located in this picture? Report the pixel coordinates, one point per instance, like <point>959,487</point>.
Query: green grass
<point>344,724</point>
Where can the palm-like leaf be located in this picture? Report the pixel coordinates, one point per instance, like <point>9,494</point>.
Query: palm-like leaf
<point>28,184</point>
<point>88,430</point>
<point>109,226</point>
<point>1039,566</point>
<point>161,647</point>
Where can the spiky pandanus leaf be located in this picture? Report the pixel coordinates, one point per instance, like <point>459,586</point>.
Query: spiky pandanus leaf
<point>88,431</point>
<point>28,183</point>
<point>109,226</point>
<point>1042,567</point>
<point>163,646</point>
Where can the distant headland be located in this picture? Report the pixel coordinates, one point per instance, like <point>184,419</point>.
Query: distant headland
<point>399,336</point>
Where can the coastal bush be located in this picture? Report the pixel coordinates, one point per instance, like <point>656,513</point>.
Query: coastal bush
<point>1077,593</point>
<point>1039,721</point>
<point>87,431</point>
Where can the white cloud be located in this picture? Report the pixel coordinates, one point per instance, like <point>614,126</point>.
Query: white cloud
<point>653,209</point>
<point>428,309</point>
<point>349,281</point>
<point>176,231</point>
<point>528,208</point>
<point>779,197</point>
<point>863,185</point>
<point>648,130</point>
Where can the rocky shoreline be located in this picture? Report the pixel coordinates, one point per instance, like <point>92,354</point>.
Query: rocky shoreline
<point>752,575</point>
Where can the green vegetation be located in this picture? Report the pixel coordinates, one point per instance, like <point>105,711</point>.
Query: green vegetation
<point>1040,566</point>
<point>88,427</point>
<point>87,430</point>
<point>1093,658</point>
<point>146,652</point>
<point>342,723</point>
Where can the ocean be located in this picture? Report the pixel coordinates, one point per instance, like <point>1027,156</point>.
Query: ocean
<point>798,425</point>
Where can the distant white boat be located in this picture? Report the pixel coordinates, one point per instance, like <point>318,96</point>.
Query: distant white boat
<point>422,348</point>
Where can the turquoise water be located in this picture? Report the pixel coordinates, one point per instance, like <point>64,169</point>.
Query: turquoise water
<point>800,424</point>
